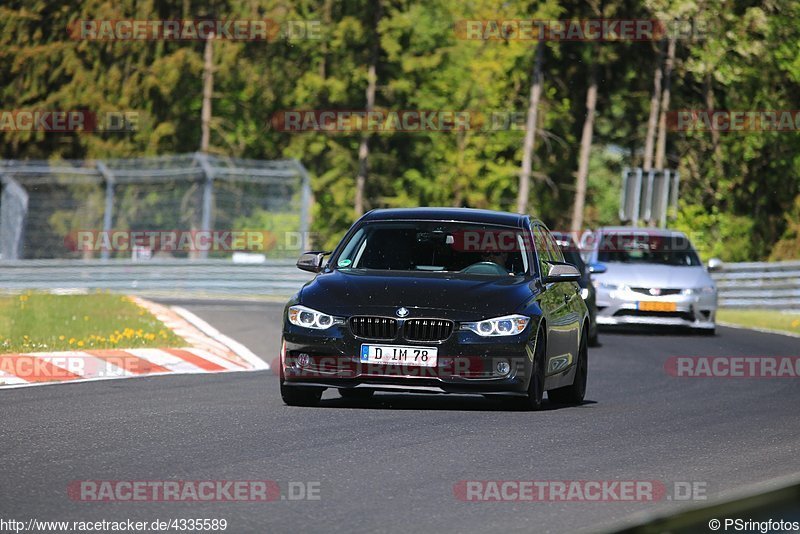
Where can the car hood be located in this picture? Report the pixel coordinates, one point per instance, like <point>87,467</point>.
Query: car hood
<point>456,296</point>
<point>661,276</point>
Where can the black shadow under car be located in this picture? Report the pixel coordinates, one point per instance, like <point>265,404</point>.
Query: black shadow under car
<point>445,300</point>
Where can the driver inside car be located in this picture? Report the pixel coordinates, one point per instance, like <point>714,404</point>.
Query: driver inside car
<point>498,257</point>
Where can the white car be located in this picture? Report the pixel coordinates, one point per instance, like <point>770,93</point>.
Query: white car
<point>651,276</point>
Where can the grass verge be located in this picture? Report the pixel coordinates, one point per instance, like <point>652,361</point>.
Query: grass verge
<point>769,319</point>
<point>40,322</point>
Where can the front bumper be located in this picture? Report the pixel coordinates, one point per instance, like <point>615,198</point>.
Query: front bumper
<point>622,307</point>
<point>467,363</point>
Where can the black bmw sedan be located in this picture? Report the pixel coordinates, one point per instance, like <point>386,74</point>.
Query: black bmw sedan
<point>444,300</point>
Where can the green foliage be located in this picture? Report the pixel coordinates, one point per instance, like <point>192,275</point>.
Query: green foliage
<point>716,234</point>
<point>280,239</point>
<point>40,322</point>
<point>788,247</point>
<point>735,188</point>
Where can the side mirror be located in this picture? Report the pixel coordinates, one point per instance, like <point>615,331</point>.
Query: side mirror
<point>715,264</point>
<point>562,272</point>
<point>311,261</point>
<point>597,268</point>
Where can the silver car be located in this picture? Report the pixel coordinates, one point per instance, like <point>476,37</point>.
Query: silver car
<point>651,276</point>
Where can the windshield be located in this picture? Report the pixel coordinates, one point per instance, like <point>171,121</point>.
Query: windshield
<point>675,250</point>
<point>435,246</point>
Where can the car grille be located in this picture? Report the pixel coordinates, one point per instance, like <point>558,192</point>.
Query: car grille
<point>374,327</point>
<point>428,329</point>
<point>664,292</point>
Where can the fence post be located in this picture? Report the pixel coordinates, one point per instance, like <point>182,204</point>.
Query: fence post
<point>305,205</point>
<point>108,211</point>
<point>208,196</point>
<point>13,212</point>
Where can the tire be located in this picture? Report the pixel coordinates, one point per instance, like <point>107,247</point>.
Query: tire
<point>574,393</point>
<point>356,393</point>
<point>299,396</point>
<point>593,338</point>
<point>303,396</point>
<point>533,399</point>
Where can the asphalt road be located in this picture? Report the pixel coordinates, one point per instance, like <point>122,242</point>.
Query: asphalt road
<point>390,465</point>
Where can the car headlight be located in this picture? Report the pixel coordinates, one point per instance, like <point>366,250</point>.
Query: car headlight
<point>308,318</point>
<point>509,325</point>
<point>707,290</point>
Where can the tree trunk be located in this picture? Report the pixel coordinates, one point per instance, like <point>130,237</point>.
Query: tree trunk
<point>530,132</point>
<point>652,121</point>
<point>326,20</point>
<point>661,144</point>
<point>583,158</point>
<point>363,147</point>
<point>717,148</point>
<point>208,89</point>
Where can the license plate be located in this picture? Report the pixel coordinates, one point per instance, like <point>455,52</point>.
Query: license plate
<point>657,306</point>
<point>399,355</point>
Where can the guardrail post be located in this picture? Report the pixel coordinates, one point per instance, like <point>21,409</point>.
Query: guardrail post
<point>664,199</point>
<point>637,199</point>
<point>108,211</point>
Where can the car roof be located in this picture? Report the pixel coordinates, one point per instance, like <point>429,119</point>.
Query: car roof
<point>448,214</point>
<point>641,229</point>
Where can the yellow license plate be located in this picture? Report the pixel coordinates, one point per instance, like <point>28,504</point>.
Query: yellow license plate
<point>658,306</point>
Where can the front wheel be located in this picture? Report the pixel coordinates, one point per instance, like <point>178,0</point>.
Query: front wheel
<point>300,396</point>
<point>535,394</point>
<point>594,340</point>
<point>574,393</point>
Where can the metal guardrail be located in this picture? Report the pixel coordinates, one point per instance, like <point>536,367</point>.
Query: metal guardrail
<point>759,285</point>
<point>211,278</point>
<point>741,285</point>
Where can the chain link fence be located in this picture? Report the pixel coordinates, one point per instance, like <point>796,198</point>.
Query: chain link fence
<point>183,206</point>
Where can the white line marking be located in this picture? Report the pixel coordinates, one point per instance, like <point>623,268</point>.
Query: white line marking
<point>242,351</point>
<point>7,379</point>
<point>165,359</point>
<point>213,358</point>
<point>762,330</point>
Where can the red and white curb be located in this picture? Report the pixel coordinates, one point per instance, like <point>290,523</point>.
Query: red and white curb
<point>206,351</point>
